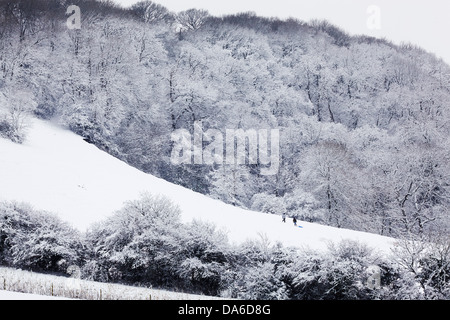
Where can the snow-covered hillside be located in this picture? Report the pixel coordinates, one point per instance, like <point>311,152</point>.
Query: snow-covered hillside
<point>55,170</point>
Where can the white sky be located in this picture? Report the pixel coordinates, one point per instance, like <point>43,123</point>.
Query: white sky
<point>421,22</point>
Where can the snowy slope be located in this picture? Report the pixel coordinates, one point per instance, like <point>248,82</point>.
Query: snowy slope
<point>55,170</point>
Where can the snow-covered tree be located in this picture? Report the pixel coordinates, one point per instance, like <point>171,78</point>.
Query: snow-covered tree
<point>191,19</point>
<point>151,12</point>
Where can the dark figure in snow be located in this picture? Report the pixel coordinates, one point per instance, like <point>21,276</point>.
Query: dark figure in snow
<point>284,217</point>
<point>295,221</point>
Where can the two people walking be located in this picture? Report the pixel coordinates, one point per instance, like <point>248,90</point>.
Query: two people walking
<point>294,219</point>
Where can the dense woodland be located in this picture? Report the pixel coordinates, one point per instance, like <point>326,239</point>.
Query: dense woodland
<point>364,123</point>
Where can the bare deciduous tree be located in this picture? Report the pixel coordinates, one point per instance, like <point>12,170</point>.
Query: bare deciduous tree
<point>192,19</point>
<point>151,12</point>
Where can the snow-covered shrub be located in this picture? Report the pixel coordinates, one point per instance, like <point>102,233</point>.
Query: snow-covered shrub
<point>344,271</point>
<point>304,206</point>
<point>396,284</point>
<point>261,283</point>
<point>424,267</point>
<point>254,251</point>
<point>259,270</point>
<point>7,131</point>
<point>146,243</point>
<point>139,243</point>
<point>306,284</point>
<point>338,274</point>
<point>35,240</point>
<point>268,204</point>
<point>297,203</point>
<point>201,276</point>
<point>205,258</point>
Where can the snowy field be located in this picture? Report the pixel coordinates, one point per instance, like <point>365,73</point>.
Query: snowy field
<point>23,285</point>
<point>55,170</point>
<point>9,295</point>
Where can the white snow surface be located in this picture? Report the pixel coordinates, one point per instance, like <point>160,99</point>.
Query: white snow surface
<point>55,170</point>
<point>9,295</point>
